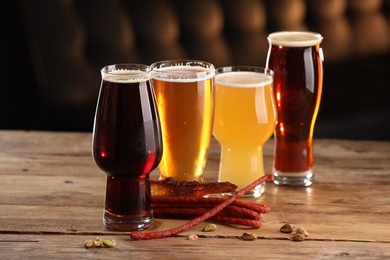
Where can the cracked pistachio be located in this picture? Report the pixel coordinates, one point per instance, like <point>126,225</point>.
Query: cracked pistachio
<point>301,230</point>
<point>209,228</point>
<point>98,242</point>
<point>89,243</point>
<point>109,243</point>
<point>298,237</point>
<point>192,237</point>
<point>249,236</point>
<point>286,228</point>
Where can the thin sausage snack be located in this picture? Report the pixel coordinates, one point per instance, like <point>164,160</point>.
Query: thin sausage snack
<point>194,202</point>
<point>144,235</point>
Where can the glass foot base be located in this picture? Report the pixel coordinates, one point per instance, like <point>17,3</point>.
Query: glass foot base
<point>294,178</point>
<point>255,193</point>
<point>127,223</point>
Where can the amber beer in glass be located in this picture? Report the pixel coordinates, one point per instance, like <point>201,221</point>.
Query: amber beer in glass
<point>296,59</point>
<point>184,92</point>
<point>245,118</point>
<point>127,144</point>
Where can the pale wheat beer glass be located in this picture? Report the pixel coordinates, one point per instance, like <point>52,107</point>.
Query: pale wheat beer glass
<point>296,59</point>
<point>184,92</point>
<point>245,118</point>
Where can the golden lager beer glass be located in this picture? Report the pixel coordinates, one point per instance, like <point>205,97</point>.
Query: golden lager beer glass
<point>184,92</point>
<point>245,118</point>
<point>296,59</point>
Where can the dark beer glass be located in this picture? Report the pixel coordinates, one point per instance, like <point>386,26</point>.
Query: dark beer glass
<point>296,59</point>
<point>127,144</point>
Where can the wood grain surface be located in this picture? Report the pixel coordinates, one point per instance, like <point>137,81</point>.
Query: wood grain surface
<point>52,195</point>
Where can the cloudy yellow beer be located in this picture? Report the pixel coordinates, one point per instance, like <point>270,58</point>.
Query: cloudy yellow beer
<point>245,118</point>
<point>185,99</point>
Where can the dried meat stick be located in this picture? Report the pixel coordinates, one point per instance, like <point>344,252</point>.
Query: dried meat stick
<point>229,211</point>
<point>239,221</point>
<point>258,208</point>
<point>184,201</point>
<point>242,212</point>
<point>179,229</point>
<point>254,223</point>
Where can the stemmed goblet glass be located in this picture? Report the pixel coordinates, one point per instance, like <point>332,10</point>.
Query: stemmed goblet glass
<point>127,144</point>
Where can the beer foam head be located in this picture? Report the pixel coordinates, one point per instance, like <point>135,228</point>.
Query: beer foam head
<point>182,73</point>
<point>125,75</point>
<point>294,38</point>
<point>243,79</point>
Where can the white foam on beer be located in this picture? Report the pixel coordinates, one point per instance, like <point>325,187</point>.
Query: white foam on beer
<point>295,38</point>
<point>125,76</point>
<point>182,73</point>
<point>243,79</point>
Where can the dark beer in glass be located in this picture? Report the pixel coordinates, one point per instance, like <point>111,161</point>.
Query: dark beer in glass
<point>127,144</point>
<point>296,59</point>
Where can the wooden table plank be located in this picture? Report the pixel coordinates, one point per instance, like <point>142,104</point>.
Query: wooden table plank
<point>72,247</point>
<point>335,223</point>
<point>51,200</point>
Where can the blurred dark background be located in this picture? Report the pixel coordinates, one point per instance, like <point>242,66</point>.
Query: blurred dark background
<point>52,52</point>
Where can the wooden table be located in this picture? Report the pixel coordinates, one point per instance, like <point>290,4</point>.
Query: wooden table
<point>51,201</point>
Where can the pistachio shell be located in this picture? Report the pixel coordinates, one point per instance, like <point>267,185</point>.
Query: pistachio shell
<point>287,228</point>
<point>88,243</point>
<point>109,243</point>
<point>192,237</point>
<point>209,228</point>
<point>298,237</point>
<point>301,230</point>
<point>249,236</point>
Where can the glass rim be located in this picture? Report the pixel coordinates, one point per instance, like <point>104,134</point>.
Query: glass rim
<point>165,70</point>
<point>295,38</point>
<point>126,72</point>
<point>109,69</point>
<point>244,76</point>
<point>244,68</point>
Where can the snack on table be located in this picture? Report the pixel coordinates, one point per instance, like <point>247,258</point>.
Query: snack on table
<point>170,187</point>
<point>186,200</point>
<point>211,214</point>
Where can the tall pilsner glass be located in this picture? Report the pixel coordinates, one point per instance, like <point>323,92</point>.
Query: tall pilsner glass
<point>296,59</point>
<point>185,99</point>
<point>127,144</point>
